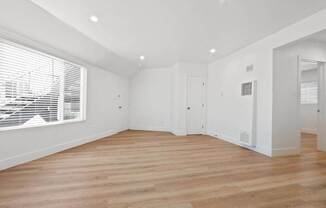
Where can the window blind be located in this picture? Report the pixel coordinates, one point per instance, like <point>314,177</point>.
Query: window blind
<point>309,92</point>
<point>37,89</point>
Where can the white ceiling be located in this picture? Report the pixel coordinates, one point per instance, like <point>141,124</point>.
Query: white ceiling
<point>167,31</point>
<point>320,36</point>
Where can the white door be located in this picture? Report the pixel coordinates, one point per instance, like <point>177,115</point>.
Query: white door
<point>121,105</point>
<point>195,105</point>
<point>321,142</point>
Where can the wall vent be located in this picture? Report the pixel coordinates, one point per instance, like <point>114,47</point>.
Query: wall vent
<point>248,127</point>
<point>245,138</point>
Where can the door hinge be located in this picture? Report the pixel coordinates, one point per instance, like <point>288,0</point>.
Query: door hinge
<point>202,105</point>
<point>202,126</point>
<point>203,83</point>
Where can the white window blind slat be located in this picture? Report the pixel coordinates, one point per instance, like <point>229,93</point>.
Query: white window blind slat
<point>37,89</point>
<point>309,92</point>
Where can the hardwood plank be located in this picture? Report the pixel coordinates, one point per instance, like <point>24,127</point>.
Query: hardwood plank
<point>141,169</point>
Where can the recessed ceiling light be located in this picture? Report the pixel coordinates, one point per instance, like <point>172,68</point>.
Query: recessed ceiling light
<point>93,18</point>
<point>142,57</point>
<point>222,1</point>
<point>212,51</point>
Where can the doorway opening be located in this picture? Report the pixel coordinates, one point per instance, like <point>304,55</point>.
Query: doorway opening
<point>309,83</point>
<point>299,107</point>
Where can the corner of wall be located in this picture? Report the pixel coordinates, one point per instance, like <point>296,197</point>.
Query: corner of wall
<point>260,149</point>
<point>279,152</point>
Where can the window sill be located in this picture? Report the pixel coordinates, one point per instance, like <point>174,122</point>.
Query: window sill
<point>43,125</point>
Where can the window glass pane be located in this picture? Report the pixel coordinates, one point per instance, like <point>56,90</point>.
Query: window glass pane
<point>37,89</point>
<point>246,89</point>
<point>309,93</point>
<point>72,92</point>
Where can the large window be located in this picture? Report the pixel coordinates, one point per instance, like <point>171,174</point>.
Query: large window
<point>37,89</point>
<point>309,92</point>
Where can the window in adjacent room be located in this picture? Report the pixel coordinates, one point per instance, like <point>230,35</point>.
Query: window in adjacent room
<point>309,92</point>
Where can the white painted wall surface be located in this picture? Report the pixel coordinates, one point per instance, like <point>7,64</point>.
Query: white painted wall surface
<point>308,118</point>
<point>286,123</point>
<point>158,97</point>
<point>225,75</point>
<point>226,108</point>
<point>150,100</point>
<point>181,73</point>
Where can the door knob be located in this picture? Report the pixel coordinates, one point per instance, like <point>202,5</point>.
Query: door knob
<point>188,108</point>
<point>318,111</point>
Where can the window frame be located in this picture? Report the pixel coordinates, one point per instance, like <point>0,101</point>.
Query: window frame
<point>83,89</point>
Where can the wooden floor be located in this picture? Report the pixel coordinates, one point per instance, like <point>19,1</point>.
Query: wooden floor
<point>138,169</point>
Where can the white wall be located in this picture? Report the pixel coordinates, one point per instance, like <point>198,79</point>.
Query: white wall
<point>17,146</point>
<point>225,76</point>
<point>150,100</point>
<point>308,112</point>
<point>308,118</point>
<point>181,73</point>
<point>158,97</point>
<point>227,109</point>
<point>286,134</point>
<point>103,115</point>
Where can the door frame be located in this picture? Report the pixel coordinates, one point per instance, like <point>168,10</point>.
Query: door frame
<point>203,99</point>
<point>321,100</point>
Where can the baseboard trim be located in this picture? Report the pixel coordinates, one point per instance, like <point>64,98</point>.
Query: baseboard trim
<point>261,150</point>
<point>264,150</point>
<point>309,131</point>
<point>279,152</point>
<point>179,133</point>
<point>222,137</point>
<point>149,128</point>
<point>30,156</point>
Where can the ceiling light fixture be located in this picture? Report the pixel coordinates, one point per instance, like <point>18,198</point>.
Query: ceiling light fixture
<point>142,57</point>
<point>93,18</point>
<point>222,1</point>
<point>212,51</point>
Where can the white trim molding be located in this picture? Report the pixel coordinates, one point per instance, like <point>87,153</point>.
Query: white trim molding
<point>309,131</point>
<point>179,133</point>
<point>27,157</point>
<point>150,128</point>
<point>278,152</point>
<point>259,149</point>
